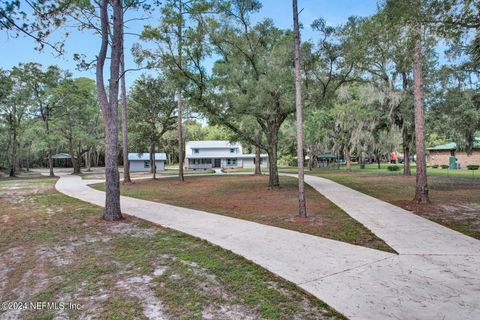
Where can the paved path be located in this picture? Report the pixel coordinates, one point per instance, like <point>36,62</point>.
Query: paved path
<point>402,230</point>
<point>435,276</point>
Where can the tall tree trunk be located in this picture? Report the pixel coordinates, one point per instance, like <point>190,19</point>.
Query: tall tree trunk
<point>28,156</point>
<point>406,161</point>
<point>187,119</point>
<point>311,161</point>
<point>109,105</point>
<point>347,158</point>
<point>421,191</point>
<point>302,209</point>
<point>362,160</point>
<point>153,163</point>
<point>180,138</point>
<point>378,160</point>
<point>152,157</point>
<point>46,118</point>
<point>273,179</point>
<point>75,160</point>
<point>126,167</point>
<point>88,160</point>
<point>180,130</point>
<point>14,144</point>
<point>76,165</point>
<point>97,158</point>
<point>258,169</point>
<point>50,162</point>
<point>405,138</point>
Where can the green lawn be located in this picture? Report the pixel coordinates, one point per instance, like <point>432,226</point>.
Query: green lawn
<point>372,169</point>
<point>454,194</point>
<point>20,175</point>
<point>55,248</point>
<point>249,197</point>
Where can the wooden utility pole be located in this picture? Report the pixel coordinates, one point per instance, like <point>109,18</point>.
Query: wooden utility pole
<point>302,209</point>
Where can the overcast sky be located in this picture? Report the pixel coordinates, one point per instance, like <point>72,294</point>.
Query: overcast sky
<point>17,50</point>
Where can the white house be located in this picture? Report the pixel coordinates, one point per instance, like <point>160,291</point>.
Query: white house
<point>141,161</point>
<point>219,154</point>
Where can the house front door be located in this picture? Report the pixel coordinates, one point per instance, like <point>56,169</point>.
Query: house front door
<point>217,163</point>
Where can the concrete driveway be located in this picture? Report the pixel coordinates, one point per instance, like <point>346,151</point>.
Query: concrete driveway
<point>436,274</point>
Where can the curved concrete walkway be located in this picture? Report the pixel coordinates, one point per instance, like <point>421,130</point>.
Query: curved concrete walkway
<point>435,276</point>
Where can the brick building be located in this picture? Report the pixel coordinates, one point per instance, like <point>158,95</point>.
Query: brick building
<point>441,154</point>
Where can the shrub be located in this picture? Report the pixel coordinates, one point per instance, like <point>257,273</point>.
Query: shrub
<point>435,166</point>
<point>445,166</point>
<point>287,160</point>
<point>473,167</point>
<point>393,168</point>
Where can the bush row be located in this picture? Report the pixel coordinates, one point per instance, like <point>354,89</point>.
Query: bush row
<point>446,166</point>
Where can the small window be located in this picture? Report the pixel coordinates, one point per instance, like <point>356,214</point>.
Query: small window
<point>231,162</point>
<point>196,151</point>
<point>233,150</point>
<point>146,164</point>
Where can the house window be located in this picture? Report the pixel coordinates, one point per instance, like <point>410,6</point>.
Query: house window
<point>196,151</point>
<point>231,162</point>
<point>146,164</point>
<point>233,150</point>
<point>200,161</point>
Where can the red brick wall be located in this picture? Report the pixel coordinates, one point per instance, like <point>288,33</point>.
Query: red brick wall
<point>465,160</point>
<point>439,157</point>
<point>442,157</point>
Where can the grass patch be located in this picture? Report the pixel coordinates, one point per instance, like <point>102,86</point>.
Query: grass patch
<point>55,248</point>
<point>453,193</point>
<point>249,198</point>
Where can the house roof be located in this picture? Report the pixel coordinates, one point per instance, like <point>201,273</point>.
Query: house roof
<point>327,156</point>
<point>61,156</point>
<point>212,144</point>
<point>145,156</point>
<point>453,146</point>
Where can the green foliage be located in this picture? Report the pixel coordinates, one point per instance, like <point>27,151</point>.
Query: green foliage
<point>393,168</point>
<point>444,166</point>
<point>151,112</point>
<point>435,166</point>
<point>15,106</point>
<point>44,85</point>
<point>456,115</point>
<point>287,160</point>
<point>473,167</point>
<point>78,118</point>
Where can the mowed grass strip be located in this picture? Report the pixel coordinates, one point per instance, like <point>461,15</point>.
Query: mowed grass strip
<point>248,197</point>
<point>54,248</point>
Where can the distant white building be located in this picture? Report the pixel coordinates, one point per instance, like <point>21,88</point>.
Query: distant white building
<point>140,162</point>
<point>219,154</point>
